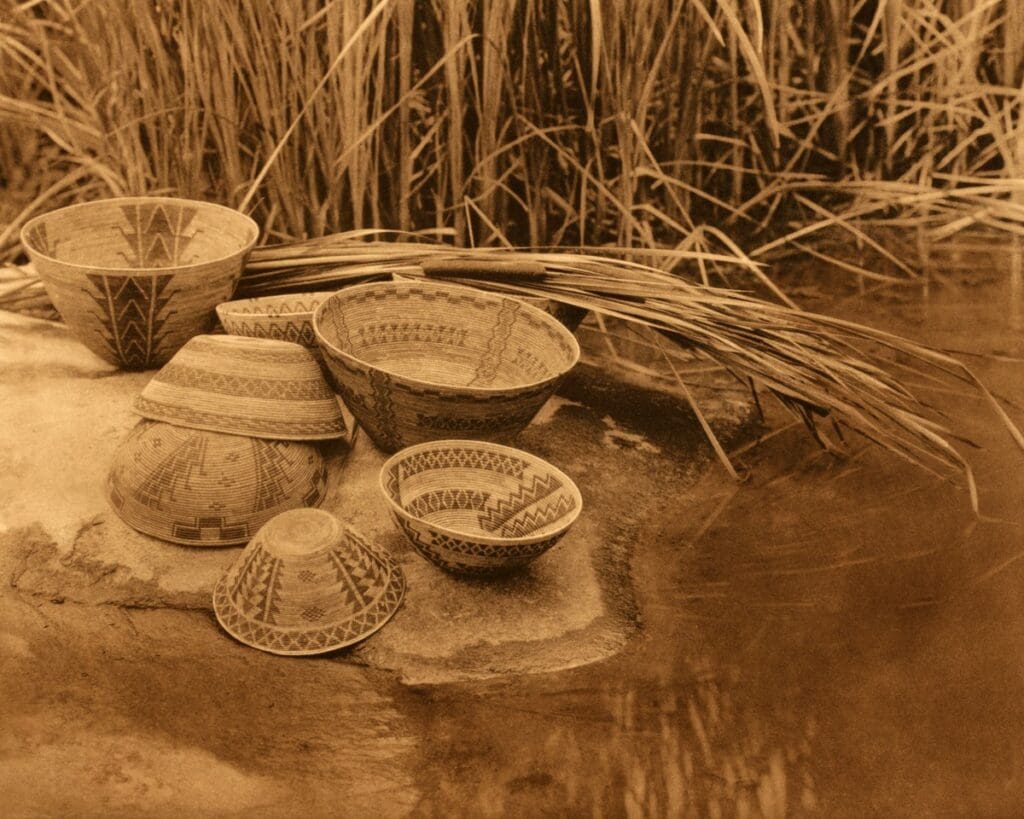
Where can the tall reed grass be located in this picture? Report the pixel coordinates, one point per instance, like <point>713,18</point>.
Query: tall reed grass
<point>728,125</point>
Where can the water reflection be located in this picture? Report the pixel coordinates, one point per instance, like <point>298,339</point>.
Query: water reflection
<point>839,638</point>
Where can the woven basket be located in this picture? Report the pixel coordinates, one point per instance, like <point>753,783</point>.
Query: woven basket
<point>244,386</point>
<point>286,318</point>
<point>306,584</point>
<point>423,361</point>
<point>568,314</point>
<point>206,488</point>
<point>135,278</point>
<point>474,507</point>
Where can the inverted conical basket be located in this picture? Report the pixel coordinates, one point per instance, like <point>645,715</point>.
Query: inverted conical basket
<point>307,584</point>
<point>244,386</point>
<point>136,277</point>
<point>204,488</point>
<point>419,361</point>
<point>286,317</point>
<point>471,506</point>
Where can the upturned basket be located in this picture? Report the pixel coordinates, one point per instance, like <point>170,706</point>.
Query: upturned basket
<point>420,361</point>
<point>476,507</point>
<point>136,277</point>
<point>204,488</point>
<point>286,317</point>
<point>306,584</point>
<point>244,386</point>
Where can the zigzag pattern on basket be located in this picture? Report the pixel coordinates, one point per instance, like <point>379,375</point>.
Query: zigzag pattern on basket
<point>156,234</point>
<point>186,415</point>
<point>258,585</point>
<point>463,457</point>
<point>441,499</point>
<point>301,333</point>
<point>437,545</point>
<point>525,495</point>
<point>497,344</point>
<point>131,310</point>
<point>285,308</point>
<point>391,332</point>
<point>244,386</point>
<point>312,640</point>
<point>359,584</point>
<point>534,520</point>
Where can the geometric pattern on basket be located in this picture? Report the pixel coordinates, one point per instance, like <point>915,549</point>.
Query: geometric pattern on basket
<point>458,555</point>
<point>296,332</point>
<point>457,457</point>
<point>205,488</point>
<point>361,590</point>
<point>245,386</point>
<point>502,509</point>
<point>386,345</point>
<point>442,499</point>
<point>497,341</point>
<point>157,234</point>
<point>185,416</point>
<point>313,640</point>
<point>131,310</point>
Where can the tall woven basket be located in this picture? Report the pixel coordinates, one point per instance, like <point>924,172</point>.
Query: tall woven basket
<point>135,278</point>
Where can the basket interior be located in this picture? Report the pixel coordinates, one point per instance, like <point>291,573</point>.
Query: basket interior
<point>447,336</point>
<point>138,234</point>
<point>479,493</point>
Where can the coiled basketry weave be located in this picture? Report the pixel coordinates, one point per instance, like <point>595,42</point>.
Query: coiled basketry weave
<point>286,318</point>
<point>419,361</point>
<point>244,386</point>
<point>136,277</point>
<point>203,488</point>
<point>471,506</point>
<point>307,584</point>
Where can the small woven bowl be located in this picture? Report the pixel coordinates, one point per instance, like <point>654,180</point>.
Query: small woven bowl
<point>306,584</point>
<point>568,314</point>
<point>286,318</point>
<point>475,507</point>
<point>244,386</point>
<point>136,277</point>
<point>419,361</point>
<point>204,488</point>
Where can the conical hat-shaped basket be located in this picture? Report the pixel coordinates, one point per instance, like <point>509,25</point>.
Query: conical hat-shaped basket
<point>307,584</point>
<point>136,277</point>
<point>244,386</point>
<point>203,488</point>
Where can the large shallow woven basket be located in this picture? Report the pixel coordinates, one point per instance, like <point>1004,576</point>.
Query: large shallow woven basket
<point>204,488</point>
<point>286,318</point>
<point>306,584</point>
<point>421,361</point>
<point>135,278</point>
<point>244,386</point>
<point>476,507</point>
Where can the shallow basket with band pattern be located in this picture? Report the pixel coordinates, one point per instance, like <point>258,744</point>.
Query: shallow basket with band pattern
<point>476,507</point>
<point>204,488</point>
<point>307,584</point>
<point>419,361</point>
<point>286,318</point>
<point>136,277</point>
<point>244,386</point>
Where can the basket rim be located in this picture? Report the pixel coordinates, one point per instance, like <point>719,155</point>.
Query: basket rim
<point>140,271</point>
<point>536,312</point>
<point>482,539</point>
<point>228,308</point>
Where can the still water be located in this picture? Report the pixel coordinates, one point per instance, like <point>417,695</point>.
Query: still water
<point>831,638</point>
